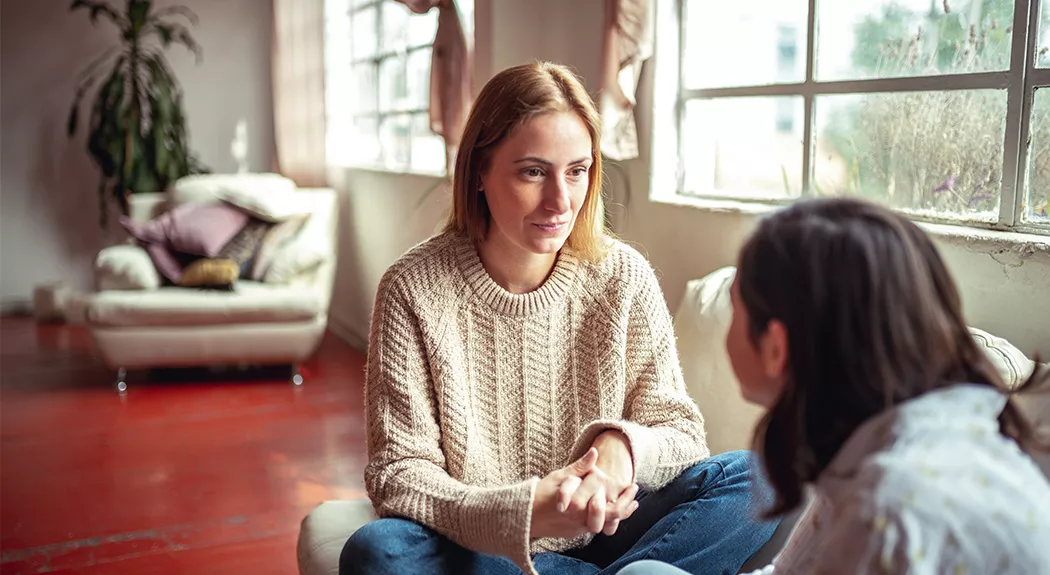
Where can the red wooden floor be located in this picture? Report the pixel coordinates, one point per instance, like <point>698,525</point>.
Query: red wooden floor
<point>198,476</point>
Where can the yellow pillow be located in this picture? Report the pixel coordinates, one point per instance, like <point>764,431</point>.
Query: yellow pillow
<point>214,273</point>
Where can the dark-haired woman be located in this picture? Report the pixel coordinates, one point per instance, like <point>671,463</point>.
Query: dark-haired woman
<point>848,328</point>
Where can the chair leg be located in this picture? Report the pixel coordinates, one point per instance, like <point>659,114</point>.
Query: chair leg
<point>297,377</point>
<point>121,384</point>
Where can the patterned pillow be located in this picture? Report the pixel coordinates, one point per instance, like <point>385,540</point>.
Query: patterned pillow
<point>279,235</point>
<point>244,246</point>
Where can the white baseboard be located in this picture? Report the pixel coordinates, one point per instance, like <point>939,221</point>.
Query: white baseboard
<point>344,331</point>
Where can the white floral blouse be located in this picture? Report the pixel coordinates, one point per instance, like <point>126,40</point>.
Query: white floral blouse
<point>929,487</point>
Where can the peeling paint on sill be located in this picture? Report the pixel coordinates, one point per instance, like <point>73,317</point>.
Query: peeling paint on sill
<point>1011,249</point>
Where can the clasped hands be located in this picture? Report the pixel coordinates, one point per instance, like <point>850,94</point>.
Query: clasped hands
<point>590,495</point>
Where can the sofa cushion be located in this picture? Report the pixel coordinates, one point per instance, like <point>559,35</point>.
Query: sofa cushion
<point>1011,363</point>
<point>276,238</point>
<point>309,248</point>
<point>267,196</point>
<point>125,267</point>
<point>250,302</point>
<point>325,531</point>
<point>701,323</point>
<point>199,229</point>
<point>210,273</point>
<point>190,230</point>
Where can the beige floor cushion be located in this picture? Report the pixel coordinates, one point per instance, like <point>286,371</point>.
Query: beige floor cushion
<point>325,531</point>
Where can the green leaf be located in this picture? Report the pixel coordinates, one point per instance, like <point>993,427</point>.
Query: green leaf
<point>138,13</point>
<point>182,10</point>
<point>97,8</point>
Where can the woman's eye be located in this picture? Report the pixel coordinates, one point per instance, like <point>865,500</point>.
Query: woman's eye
<point>578,172</point>
<point>532,172</point>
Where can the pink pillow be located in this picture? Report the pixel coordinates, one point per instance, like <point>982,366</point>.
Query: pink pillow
<point>188,230</point>
<point>198,229</point>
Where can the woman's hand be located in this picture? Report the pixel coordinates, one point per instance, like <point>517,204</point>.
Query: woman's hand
<point>554,511</point>
<point>615,461</point>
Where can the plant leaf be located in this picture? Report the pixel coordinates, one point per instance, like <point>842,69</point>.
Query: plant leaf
<point>177,33</point>
<point>95,64</point>
<point>184,11</point>
<point>97,8</point>
<point>138,13</point>
<point>74,115</point>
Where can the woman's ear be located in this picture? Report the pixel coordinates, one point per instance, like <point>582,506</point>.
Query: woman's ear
<point>774,350</point>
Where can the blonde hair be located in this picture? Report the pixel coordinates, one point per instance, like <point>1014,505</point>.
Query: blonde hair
<point>507,101</point>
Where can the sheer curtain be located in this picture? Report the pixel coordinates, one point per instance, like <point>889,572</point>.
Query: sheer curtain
<point>450,73</point>
<point>298,91</point>
<point>626,45</point>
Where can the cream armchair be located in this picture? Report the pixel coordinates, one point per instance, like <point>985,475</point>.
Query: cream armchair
<point>137,323</point>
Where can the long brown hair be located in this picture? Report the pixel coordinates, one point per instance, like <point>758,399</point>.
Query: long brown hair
<point>508,100</point>
<point>873,318</point>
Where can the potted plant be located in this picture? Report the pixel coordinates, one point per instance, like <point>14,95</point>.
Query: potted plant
<point>137,131</point>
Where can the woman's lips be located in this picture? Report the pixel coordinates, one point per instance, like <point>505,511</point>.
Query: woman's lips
<point>550,228</point>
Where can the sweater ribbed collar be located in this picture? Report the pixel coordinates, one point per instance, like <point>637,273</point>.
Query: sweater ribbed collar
<point>502,301</point>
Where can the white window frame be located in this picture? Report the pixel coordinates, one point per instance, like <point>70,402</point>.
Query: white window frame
<point>379,115</point>
<point>1020,82</point>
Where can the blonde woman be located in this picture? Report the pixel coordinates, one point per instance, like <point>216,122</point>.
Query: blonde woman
<point>525,405</point>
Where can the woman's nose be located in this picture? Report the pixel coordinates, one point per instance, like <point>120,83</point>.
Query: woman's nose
<point>556,196</point>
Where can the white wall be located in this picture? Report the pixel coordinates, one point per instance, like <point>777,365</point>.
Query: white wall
<point>49,221</point>
<point>683,243</point>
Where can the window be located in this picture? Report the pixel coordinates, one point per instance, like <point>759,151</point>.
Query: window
<point>377,72</point>
<point>927,106</point>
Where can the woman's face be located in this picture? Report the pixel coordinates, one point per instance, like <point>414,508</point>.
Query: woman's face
<point>760,368</point>
<point>536,183</point>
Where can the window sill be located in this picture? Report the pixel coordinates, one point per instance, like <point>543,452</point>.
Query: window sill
<point>1020,243</point>
<point>389,171</point>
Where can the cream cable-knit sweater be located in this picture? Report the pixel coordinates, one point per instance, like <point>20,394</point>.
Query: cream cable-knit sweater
<point>474,393</point>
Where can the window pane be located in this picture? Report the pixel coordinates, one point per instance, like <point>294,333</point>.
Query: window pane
<point>395,134</point>
<point>743,147</point>
<point>1036,210</point>
<point>365,42</point>
<point>336,8</point>
<point>422,28</point>
<point>339,89</point>
<point>767,39</point>
<point>1043,39</point>
<point>366,140</point>
<point>418,80</point>
<point>395,26</point>
<point>938,153</point>
<point>428,149</point>
<point>892,38</point>
<point>364,89</point>
<point>337,43</point>
<point>393,84</point>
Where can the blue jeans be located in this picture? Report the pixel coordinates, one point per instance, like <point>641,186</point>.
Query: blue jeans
<point>705,521</point>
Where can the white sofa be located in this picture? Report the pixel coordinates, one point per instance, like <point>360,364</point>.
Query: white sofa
<point>258,323</point>
<point>701,322</point>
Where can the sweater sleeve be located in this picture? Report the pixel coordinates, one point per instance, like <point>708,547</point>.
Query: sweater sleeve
<point>406,475</point>
<point>662,423</point>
